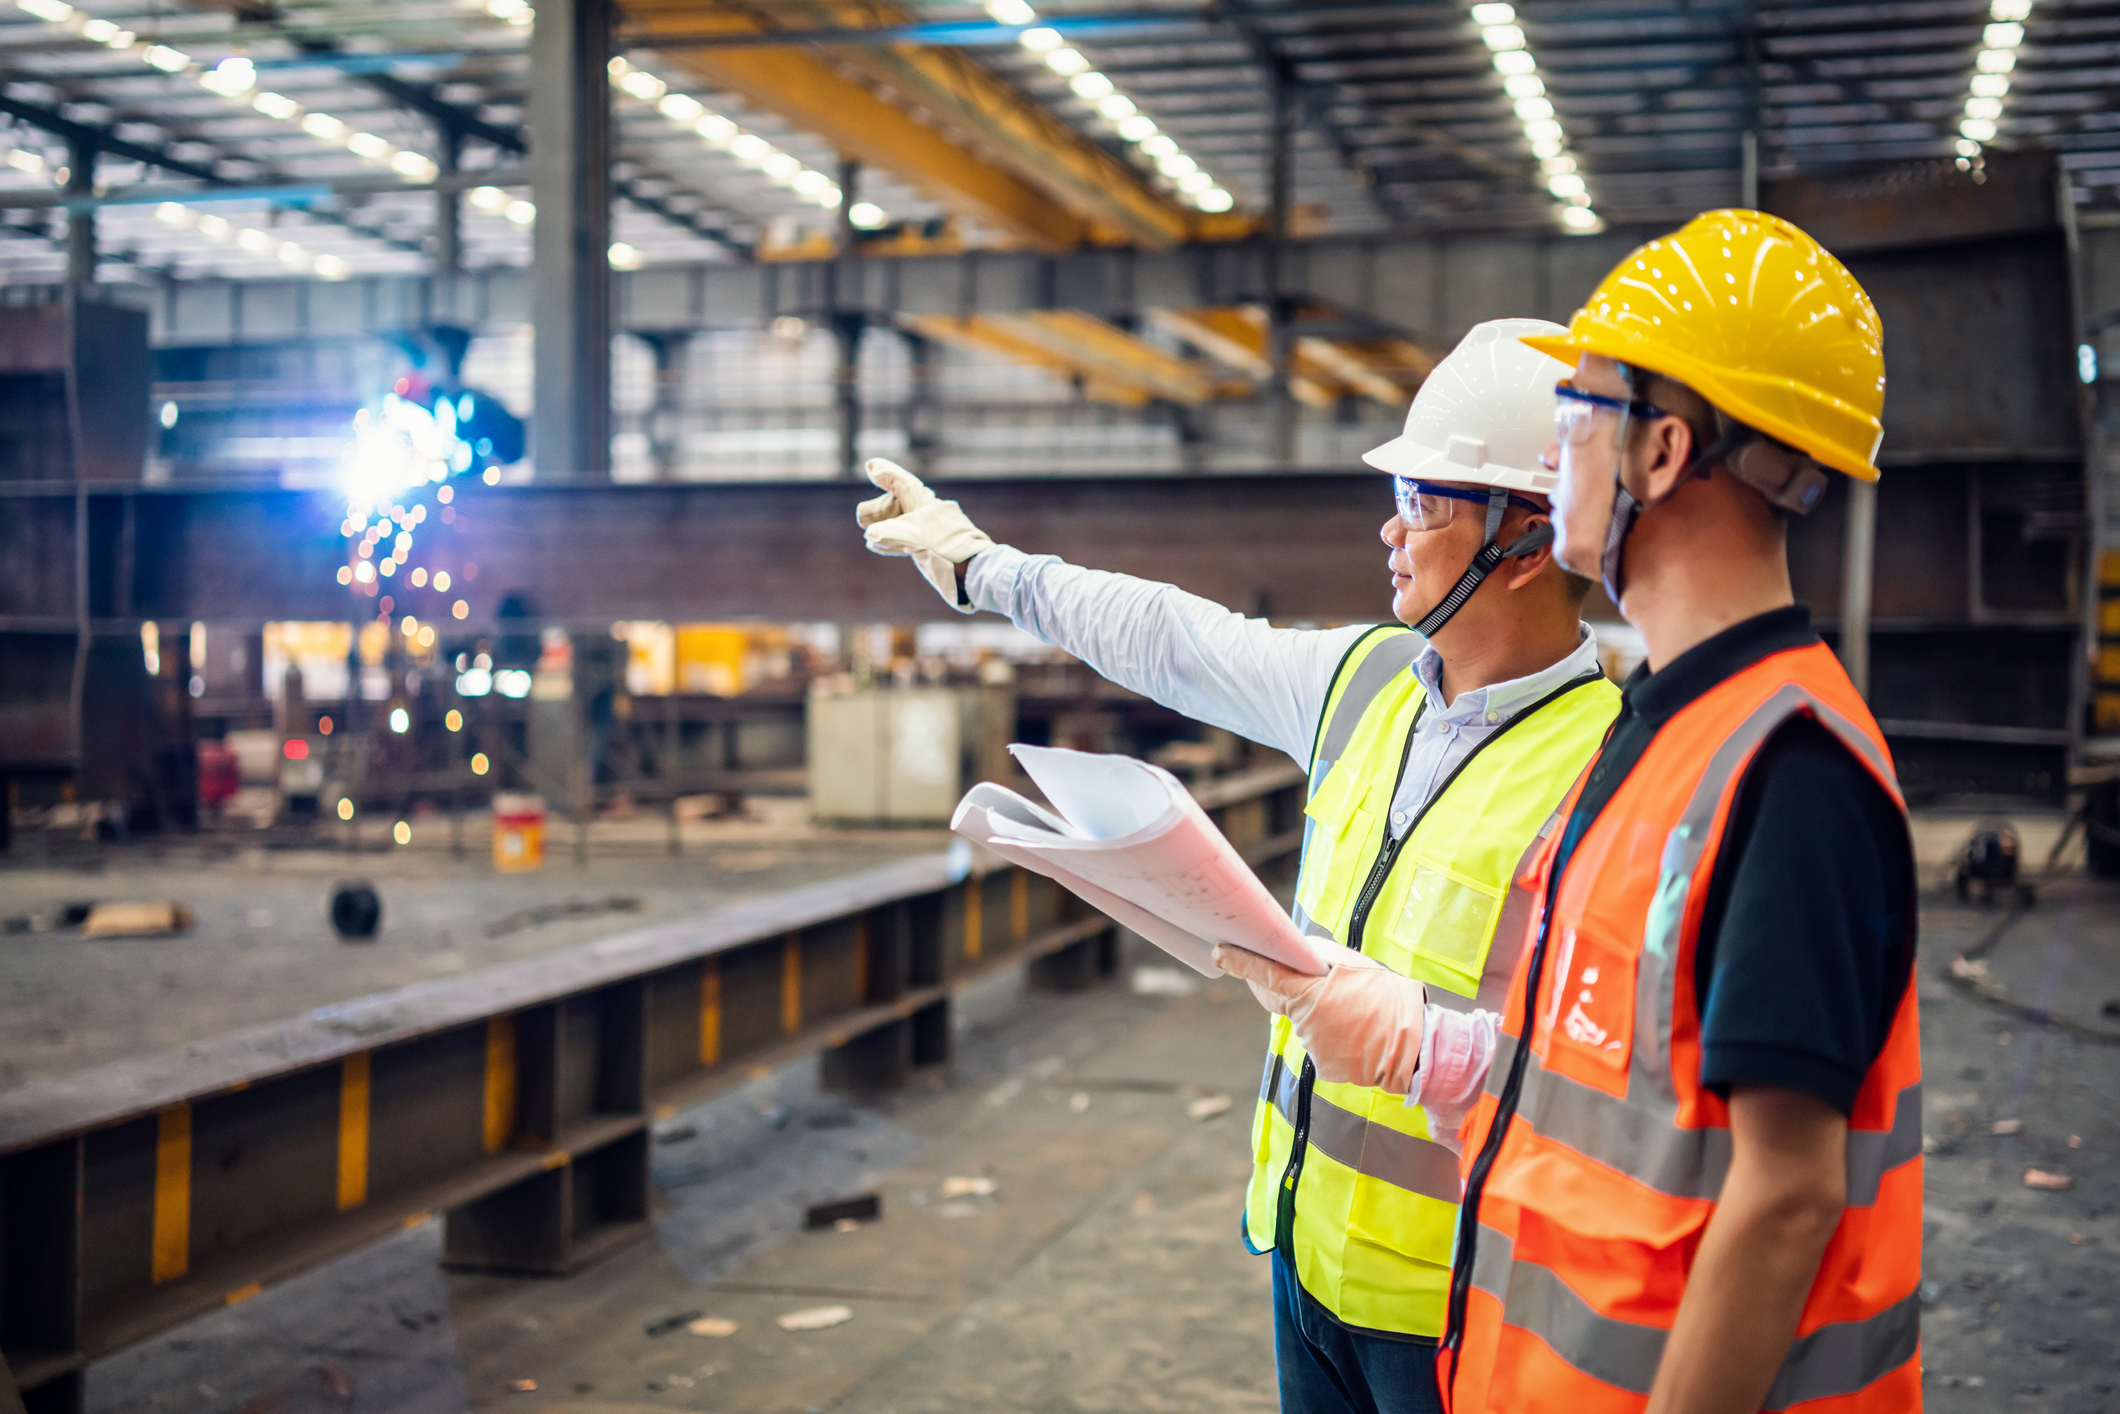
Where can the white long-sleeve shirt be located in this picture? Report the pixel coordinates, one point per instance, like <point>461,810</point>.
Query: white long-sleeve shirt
<point>1266,683</point>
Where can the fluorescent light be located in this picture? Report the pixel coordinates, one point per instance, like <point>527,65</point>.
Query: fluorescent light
<point>716,129</point>
<point>1500,37</point>
<point>1138,128</point>
<point>522,213</point>
<point>256,242</point>
<point>1531,110</point>
<point>1996,61</point>
<point>370,146</point>
<point>1195,182</point>
<point>173,214</point>
<point>1091,85</point>
<point>867,215</point>
<point>750,147</point>
<point>415,165</point>
<point>214,226</point>
<point>1978,129</point>
<point>292,254</point>
<point>1542,128</point>
<point>168,60</point>
<point>230,77</point>
<point>1040,41</point>
<point>489,198</point>
<point>1010,12</point>
<point>1214,199</point>
<point>1565,185</point>
<point>681,108</point>
<point>1966,147</point>
<point>643,85</point>
<point>1983,107</point>
<point>2007,36</point>
<point>780,167</point>
<point>1493,14</point>
<point>98,31</point>
<point>2010,9</point>
<point>1176,165</point>
<point>23,161</point>
<point>624,257</point>
<point>1066,61</point>
<point>1159,146</point>
<point>277,105</point>
<point>1515,61</point>
<point>1580,218</point>
<point>51,10</point>
<point>1990,85</point>
<point>1116,107</point>
<point>1553,166</point>
<point>323,125</point>
<point>1524,85</point>
<point>332,268</point>
<point>1543,147</point>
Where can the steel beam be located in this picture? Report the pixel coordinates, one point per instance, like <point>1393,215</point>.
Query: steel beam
<point>1300,546</point>
<point>513,1102</point>
<point>570,175</point>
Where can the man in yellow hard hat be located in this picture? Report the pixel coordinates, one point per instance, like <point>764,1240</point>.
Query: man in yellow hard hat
<point>1693,1163</point>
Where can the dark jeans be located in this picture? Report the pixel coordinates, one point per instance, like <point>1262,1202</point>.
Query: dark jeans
<point>1327,1369</point>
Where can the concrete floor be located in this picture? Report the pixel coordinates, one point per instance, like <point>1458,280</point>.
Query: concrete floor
<point>1104,1272</point>
<point>261,944</point>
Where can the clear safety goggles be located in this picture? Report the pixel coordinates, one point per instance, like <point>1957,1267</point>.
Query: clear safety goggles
<point>1427,505</point>
<point>1575,410</point>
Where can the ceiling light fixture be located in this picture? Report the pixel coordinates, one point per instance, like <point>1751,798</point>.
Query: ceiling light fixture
<point>1540,120</point>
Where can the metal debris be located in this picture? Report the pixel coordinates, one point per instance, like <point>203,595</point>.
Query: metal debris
<point>815,1318</point>
<point>720,1327</point>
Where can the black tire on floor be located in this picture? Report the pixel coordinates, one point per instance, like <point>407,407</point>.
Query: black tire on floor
<point>356,912</point>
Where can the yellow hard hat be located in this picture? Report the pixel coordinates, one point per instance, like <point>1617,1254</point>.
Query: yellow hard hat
<point>1756,317</point>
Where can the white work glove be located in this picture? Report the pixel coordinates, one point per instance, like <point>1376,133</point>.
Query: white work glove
<point>1456,1055</point>
<point>1361,1022</point>
<point>909,519</point>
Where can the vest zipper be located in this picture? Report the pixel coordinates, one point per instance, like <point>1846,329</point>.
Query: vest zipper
<point>1284,1222</point>
<point>1467,1245</point>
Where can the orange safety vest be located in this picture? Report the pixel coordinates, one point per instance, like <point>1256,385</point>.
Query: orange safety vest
<point>1579,1230</point>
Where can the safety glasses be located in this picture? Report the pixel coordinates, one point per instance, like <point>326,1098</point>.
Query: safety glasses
<point>1425,505</point>
<point>1574,410</point>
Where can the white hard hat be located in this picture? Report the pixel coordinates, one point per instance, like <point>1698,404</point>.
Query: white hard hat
<point>1484,415</point>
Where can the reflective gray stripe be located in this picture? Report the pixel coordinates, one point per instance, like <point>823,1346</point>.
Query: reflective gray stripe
<point>1644,1142</point>
<point>1378,1151</point>
<point>1383,663</point>
<point>1833,1360</point>
<point>1655,975</point>
<point>1306,925</point>
<point>1848,1355</point>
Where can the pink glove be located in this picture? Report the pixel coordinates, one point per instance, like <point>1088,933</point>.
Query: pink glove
<point>1361,1022</point>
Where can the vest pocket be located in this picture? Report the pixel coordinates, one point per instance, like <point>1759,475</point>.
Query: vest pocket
<point>1340,827</point>
<point>1447,921</point>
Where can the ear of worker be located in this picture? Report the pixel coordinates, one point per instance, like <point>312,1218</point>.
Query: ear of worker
<point>1361,1023</point>
<point>909,519</point>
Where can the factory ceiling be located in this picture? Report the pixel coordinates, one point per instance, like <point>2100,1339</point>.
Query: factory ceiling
<point>264,138</point>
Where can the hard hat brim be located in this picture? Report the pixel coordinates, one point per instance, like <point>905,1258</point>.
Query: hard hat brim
<point>1403,456</point>
<point>1570,347</point>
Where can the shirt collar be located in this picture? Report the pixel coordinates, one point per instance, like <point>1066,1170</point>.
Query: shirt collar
<point>1657,696</point>
<point>1503,699</point>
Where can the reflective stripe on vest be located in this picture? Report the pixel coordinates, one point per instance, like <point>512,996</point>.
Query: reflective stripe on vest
<point>1370,1218</point>
<point>1587,1216</point>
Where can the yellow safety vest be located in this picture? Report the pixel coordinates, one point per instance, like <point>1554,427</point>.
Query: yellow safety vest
<point>1347,1181</point>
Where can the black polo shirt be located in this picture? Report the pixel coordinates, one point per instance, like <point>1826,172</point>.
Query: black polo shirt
<point>1805,943</point>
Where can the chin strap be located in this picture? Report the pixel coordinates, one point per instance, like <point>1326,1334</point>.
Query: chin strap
<point>1624,507</point>
<point>1492,553</point>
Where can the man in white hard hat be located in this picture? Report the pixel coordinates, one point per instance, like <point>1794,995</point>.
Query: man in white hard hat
<point>1438,747</point>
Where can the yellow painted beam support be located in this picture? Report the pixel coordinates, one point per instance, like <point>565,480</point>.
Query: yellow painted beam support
<point>1115,366</point>
<point>353,1131</point>
<point>710,1012</point>
<point>791,984</point>
<point>500,1083</point>
<point>170,1244</point>
<point>1351,369</point>
<point>816,96</point>
<point>1235,335</point>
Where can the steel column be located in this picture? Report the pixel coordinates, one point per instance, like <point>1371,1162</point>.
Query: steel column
<point>80,222</point>
<point>570,176</point>
<point>1280,340</point>
<point>847,322</point>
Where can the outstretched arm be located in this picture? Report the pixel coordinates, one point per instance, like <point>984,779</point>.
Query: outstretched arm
<point>1188,653</point>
